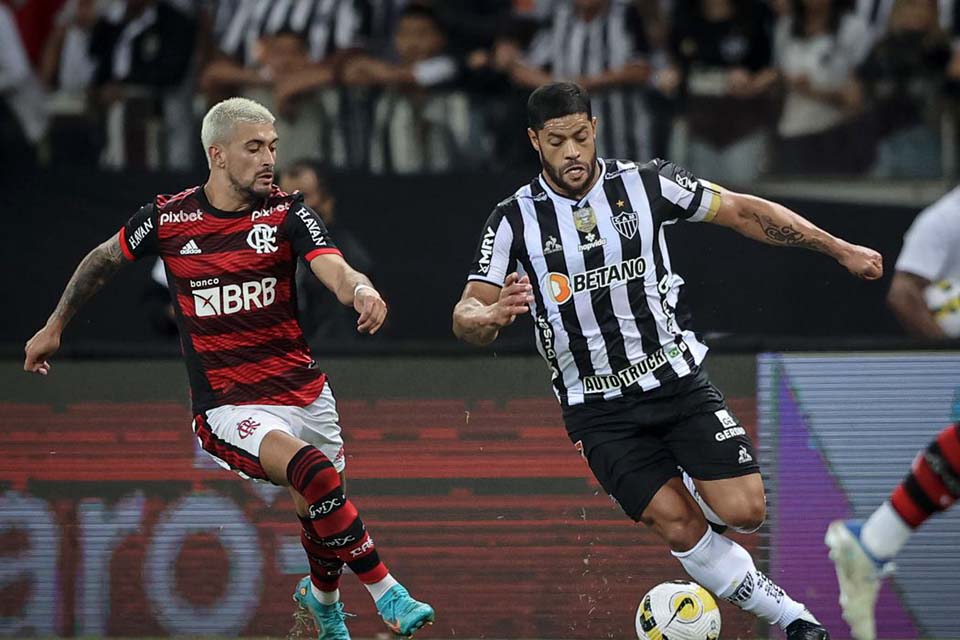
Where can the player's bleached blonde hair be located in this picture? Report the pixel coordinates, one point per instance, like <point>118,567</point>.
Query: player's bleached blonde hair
<point>222,116</point>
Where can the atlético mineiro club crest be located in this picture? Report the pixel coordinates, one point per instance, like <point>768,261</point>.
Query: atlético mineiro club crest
<point>626,223</point>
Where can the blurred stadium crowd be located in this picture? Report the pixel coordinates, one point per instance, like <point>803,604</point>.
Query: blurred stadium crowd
<point>732,88</point>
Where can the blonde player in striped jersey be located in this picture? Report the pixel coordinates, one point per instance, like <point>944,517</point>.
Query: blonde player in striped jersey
<point>582,248</point>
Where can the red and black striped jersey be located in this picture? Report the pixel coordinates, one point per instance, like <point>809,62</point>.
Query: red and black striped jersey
<point>231,277</point>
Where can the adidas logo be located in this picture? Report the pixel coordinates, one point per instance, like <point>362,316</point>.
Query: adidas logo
<point>190,249</point>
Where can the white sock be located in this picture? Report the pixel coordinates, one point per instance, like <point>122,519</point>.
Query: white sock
<point>378,589</point>
<point>325,597</point>
<point>726,569</point>
<point>884,533</point>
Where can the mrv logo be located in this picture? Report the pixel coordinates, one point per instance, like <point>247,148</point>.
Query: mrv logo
<point>486,249</point>
<point>232,298</point>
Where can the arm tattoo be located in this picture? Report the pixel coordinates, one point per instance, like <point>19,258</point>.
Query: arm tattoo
<point>785,235</point>
<point>91,275</point>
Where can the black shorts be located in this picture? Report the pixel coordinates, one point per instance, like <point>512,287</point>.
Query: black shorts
<point>636,443</point>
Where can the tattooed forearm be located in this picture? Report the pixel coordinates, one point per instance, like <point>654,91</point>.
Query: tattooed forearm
<point>786,234</point>
<point>94,271</point>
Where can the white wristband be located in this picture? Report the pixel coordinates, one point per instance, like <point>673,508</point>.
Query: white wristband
<point>364,286</point>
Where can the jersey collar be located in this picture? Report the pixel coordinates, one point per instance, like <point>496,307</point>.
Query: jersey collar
<point>602,171</point>
<point>220,213</point>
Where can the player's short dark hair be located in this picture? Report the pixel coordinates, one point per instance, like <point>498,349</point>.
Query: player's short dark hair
<point>556,100</point>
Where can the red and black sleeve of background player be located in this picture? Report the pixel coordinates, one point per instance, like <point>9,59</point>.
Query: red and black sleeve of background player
<point>138,237</point>
<point>308,235</point>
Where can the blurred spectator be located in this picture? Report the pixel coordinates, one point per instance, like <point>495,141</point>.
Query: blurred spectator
<point>35,21</point>
<point>303,122</point>
<point>468,23</point>
<point>142,50</point>
<point>816,50</point>
<point>141,43</point>
<point>930,254</point>
<point>499,103</point>
<point>725,53</point>
<point>602,45</point>
<point>67,68</point>
<point>23,109</point>
<point>903,77</point>
<point>253,37</point>
<point>419,123</point>
<point>67,64</point>
<point>323,318</point>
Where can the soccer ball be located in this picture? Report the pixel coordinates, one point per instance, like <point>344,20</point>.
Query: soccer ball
<point>943,300</point>
<point>678,611</point>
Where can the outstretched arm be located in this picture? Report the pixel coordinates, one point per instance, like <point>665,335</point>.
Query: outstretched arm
<point>352,288</point>
<point>94,271</point>
<point>775,224</point>
<point>484,308</point>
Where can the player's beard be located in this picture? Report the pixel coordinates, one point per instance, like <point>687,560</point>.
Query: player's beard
<point>250,191</point>
<point>557,175</point>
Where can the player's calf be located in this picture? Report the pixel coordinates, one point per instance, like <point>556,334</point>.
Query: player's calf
<point>674,517</point>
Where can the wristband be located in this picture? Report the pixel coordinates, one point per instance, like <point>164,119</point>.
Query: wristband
<point>364,286</point>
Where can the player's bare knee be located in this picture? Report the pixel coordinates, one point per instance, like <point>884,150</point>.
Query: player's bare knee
<point>747,513</point>
<point>276,452</point>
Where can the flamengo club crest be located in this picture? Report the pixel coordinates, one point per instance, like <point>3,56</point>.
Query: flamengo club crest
<point>263,238</point>
<point>626,223</point>
<point>246,427</point>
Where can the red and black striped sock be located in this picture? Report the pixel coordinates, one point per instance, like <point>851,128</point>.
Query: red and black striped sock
<point>325,567</point>
<point>334,524</point>
<point>933,483</point>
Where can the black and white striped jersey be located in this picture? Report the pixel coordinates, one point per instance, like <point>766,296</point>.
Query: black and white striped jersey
<point>605,295</point>
<point>326,25</point>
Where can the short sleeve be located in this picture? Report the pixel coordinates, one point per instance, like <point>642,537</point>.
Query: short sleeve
<point>308,235</point>
<point>138,237</point>
<point>683,195</point>
<point>493,259</point>
<point>928,244</point>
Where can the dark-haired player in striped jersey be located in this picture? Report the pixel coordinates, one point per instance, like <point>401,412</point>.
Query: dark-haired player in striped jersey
<point>582,248</point>
<point>863,551</point>
<point>262,406</point>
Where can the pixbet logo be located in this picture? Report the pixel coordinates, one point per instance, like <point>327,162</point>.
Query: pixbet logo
<point>266,213</point>
<point>181,216</point>
<point>232,298</point>
<point>246,427</point>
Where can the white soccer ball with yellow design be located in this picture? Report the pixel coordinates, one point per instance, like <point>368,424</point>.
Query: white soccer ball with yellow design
<point>943,300</point>
<point>678,611</point>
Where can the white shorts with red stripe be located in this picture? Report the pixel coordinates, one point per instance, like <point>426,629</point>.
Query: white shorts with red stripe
<point>232,433</point>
